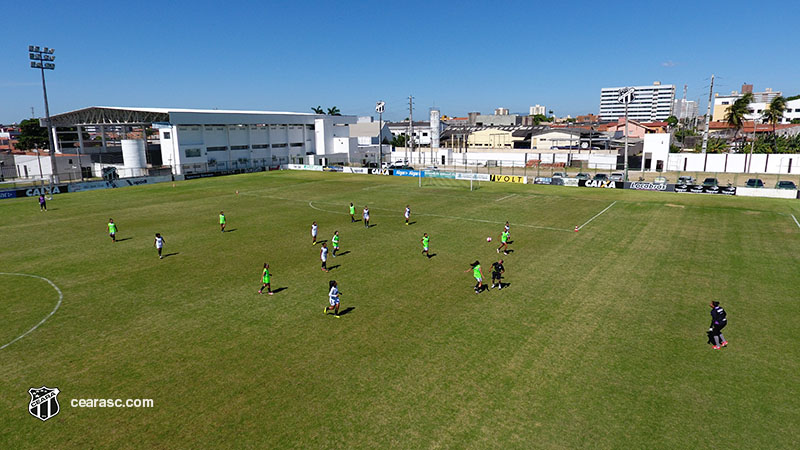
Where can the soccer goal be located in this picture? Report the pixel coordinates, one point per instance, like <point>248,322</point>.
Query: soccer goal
<point>451,180</point>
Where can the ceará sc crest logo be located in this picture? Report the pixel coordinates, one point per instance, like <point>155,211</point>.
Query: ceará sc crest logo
<point>44,402</point>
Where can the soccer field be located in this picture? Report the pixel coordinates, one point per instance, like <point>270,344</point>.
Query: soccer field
<point>598,340</point>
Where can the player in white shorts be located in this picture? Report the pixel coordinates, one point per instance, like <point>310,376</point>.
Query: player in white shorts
<point>407,214</point>
<point>333,299</point>
<point>159,244</point>
<point>366,217</point>
<point>314,233</point>
<point>323,255</point>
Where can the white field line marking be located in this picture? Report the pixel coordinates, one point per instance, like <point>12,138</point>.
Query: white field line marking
<point>443,217</point>
<point>795,220</point>
<point>507,196</point>
<point>598,214</point>
<point>60,298</point>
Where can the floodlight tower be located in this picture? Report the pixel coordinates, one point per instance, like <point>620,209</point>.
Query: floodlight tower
<point>42,59</point>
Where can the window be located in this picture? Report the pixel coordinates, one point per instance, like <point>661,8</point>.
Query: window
<point>260,145</point>
<point>193,152</point>
<point>239,147</point>
<point>278,145</point>
<point>217,149</point>
<point>167,135</point>
<point>297,144</point>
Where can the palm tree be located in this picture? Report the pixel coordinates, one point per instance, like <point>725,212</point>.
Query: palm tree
<point>736,112</point>
<point>318,110</point>
<point>773,114</point>
<point>334,111</point>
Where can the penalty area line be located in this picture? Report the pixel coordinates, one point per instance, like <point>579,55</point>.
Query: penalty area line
<point>58,304</point>
<point>598,214</point>
<point>795,220</point>
<point>503,198</point>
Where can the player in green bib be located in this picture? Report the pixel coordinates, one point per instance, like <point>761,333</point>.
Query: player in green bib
<point>425,239</point>
<point>265,279</point>
<point>335,240</point>
<point>476,272</point>
<point>352,213</point>
<point>504,243</point>
<point>112,230</point>
<point>221,221</point>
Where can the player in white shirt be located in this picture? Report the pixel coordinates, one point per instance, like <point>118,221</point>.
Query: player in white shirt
<point>507,228</point>
<point>366,217</point>
<point>159,244</point>
<point>407,214</point>
<point>314,233</point>
<point>333,299</point>
<point>323,255</point>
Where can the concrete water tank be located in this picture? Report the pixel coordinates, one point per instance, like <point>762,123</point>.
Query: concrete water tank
<point>134,158</point>
<point>435,128</point>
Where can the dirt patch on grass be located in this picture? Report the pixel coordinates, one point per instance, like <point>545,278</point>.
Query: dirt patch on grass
<point>672,205</point>
<point>752,213</point>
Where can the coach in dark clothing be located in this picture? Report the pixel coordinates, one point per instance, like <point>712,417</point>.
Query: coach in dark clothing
<point>718,321</point>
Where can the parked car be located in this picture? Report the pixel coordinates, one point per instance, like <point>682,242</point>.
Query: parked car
<point>583,176</point>
<point>710,182</point>
<point>617,176</point>
<point>372,165</point>
<point>686,180</point>
<point>559,175</point>
<point>755,183</point>
<point>660,180</point>
<point>600,177</point>
<point>786,185</point>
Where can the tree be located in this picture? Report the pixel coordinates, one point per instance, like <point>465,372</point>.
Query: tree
<point>399,140</point>
<point>715,145</point>
<point>672,121</point>
<point>318,110</point>
<point>31,135</point>
<point>334,111</point>
<point>736,112</point>
<point>774,113</point>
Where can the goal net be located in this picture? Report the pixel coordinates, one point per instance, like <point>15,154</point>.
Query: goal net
<point>451,180</point>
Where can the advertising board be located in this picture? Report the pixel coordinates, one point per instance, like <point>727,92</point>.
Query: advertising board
<point>573,182</point>
<point>304,167</point>
<point>509,179</point>
<point>8,194</point>
<point>472,176</point>
<point>607,184</point>
<point>37,191</point>
<point>546,180</point>
<point>699,189</point>
<point>356,170</point>
<point>380,171</point>
<point>648,186</point>
<point>408,173</point>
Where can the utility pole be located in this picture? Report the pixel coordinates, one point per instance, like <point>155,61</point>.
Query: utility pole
<point>411,124</point>
<point>42,59</point>
<point>33,115</point>
<point>379,107</point>
<point>626,96</point>
<point>708,114</point>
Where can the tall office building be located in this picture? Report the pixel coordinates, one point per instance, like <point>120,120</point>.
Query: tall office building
<point>650,103</point>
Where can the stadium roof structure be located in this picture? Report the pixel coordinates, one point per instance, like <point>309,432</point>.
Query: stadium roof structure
<point>113,115</point>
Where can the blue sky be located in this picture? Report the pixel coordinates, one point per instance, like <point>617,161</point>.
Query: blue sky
<point>460,56</point>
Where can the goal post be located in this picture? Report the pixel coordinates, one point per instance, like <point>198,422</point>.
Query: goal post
<point>453,180</point>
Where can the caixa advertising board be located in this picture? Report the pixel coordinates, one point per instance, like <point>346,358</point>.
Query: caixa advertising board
<point>649,186</point>
<point>700,189</point>
<point>606,184</point>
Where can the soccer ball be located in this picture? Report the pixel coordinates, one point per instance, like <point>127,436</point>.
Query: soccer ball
<point>488,239</point>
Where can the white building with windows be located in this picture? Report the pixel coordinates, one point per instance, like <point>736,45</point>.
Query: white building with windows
<point>203,140</point>
<point>650,103</point>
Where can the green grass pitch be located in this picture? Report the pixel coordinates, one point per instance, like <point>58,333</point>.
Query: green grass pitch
<point>597,342</point>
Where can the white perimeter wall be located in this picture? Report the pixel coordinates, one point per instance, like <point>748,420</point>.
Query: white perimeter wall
<point>735,162</point>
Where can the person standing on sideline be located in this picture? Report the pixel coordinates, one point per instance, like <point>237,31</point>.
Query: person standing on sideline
<point>366,216</point>
<point>425,240</point>
<point>718,321</point>
<point>407,214</point>
<point>221,221</point>
<point>504,243</point>
<point>314,233</point>
<point>333,299</point>
<point>476,272</point>
<point>323,256</point>
<point>497,274</point>
<point>265,279</point>
<point>352,212</point>
<point>42,203</point>
<point>159,244</point>
<point>112,230</point>
<point>335,240</point>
